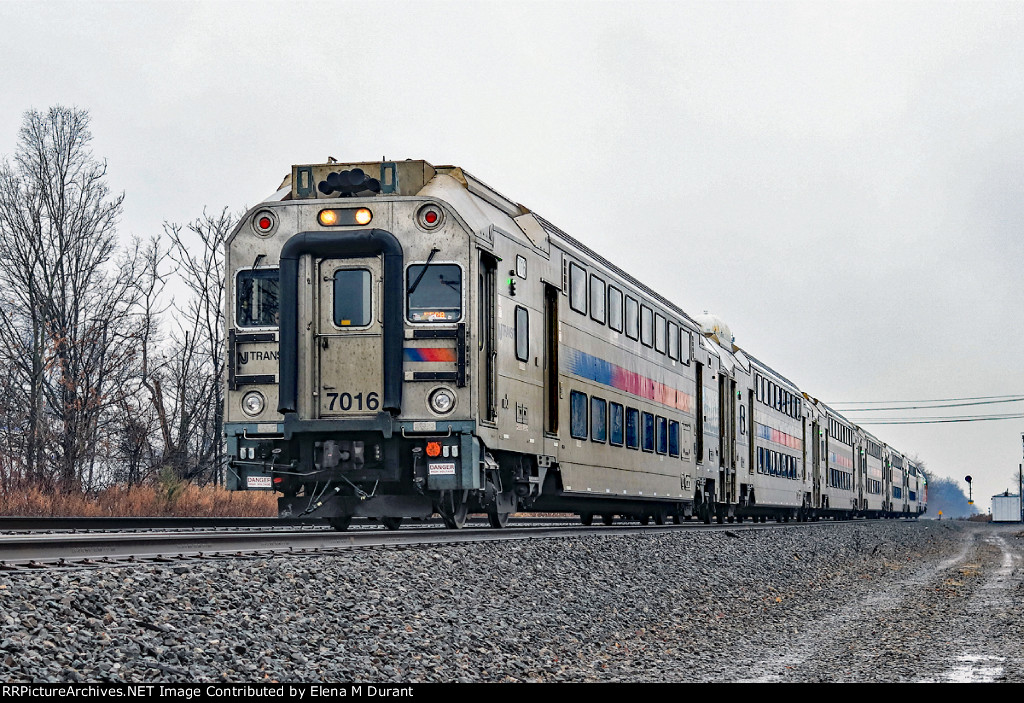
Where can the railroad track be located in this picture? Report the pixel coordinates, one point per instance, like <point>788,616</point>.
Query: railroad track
<point>74,549</point>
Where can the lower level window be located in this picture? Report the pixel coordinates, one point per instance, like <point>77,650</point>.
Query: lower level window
<point>648,432</point>
<point>598,420</point>
<point>632,428</point>
<point>617,425</point>
<point>578,415</point>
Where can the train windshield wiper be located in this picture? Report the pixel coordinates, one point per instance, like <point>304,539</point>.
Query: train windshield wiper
<point>426,265</point>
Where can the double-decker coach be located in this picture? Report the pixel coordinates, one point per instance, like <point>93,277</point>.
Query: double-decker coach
<point>404,340</point>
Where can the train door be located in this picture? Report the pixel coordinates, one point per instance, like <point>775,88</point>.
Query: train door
<point>487,341</point>
<point>726,437</point>
<point>349,336</point>
<point>816,462</point>
<point>861,475</point>
<point>550,359</point>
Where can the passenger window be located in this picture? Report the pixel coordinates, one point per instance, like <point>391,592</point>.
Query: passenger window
<point>660,334</point>
<point>616,422</point>
<point>598,420</point>
<point>632,318</point>
<point>434,292</point>
<point>578,288</point>
<point>615,308</point>
<point>662,425</point>
<point>597,299</point>
<point>352,298</point>
<point>578,415</point>
<point>632,428</point>
<point>685,347</point>
<point>256,298</point>
<point>673,340</point>
<point>646,326</point>
<point>673,438</point>
<point>522,334</point>
<point>648,432</point>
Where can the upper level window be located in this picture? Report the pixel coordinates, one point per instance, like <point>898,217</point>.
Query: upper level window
<point>433,292</point>
<point>685,346</point>
<point>632,318</point>
<point>256,298</point>
<point>660,334</point>
<point>673,340</point>
<point>578,288</point>
<point>646,326</point>
<point>352,298</point>
<point>597,299</point>
<point>615,308</point>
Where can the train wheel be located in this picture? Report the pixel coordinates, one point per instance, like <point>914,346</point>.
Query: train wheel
<point>645,519</point>
<point>676,519</point>
<point>454,516</point>
<point>587,519</point>
<point>659,518</point>
<point>608,519</point>
<point>340,523</point>
<point>391,523</point>
<point>497,520</point>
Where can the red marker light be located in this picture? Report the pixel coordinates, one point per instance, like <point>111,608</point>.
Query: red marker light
<point>430,217</point>
<point>433,449</point>
<point>264,223</point>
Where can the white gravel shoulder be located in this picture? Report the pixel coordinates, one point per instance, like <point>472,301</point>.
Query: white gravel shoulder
<point>876,601</point>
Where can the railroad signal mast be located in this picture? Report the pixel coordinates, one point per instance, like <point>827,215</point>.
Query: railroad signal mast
<point>970,493</point>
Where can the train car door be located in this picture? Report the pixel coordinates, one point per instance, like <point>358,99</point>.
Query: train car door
<point>816,462</point>
<point>861,476</point>
<point>550,359</point>
<point>726,437</point>
<point>349,336</point>
<point>487,341</point>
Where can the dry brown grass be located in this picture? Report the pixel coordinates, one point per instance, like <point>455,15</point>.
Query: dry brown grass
<point>157,500</point>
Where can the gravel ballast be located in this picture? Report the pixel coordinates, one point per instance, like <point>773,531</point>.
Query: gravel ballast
<point>875,601</point>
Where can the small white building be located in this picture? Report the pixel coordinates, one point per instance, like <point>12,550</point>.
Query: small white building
<point>1006,507</point>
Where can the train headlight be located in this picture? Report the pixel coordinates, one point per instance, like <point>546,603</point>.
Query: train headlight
<point>344,217</point>
<point>442,401</point>
<point>253,403</point>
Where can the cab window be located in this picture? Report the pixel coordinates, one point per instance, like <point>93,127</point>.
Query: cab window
<point>256,298</point>
<point>433,292</point>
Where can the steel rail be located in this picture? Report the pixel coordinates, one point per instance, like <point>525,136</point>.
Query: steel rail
<point>76,549</point>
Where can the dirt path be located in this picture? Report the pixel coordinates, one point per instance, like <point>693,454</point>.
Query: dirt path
<point>957,619</point>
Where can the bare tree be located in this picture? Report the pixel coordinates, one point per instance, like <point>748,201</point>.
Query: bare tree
<point>65,322</point>
<point>185,377</point>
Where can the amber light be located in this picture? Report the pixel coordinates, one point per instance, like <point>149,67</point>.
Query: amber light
<point>328,218</point>
<point>363,216</point>
<point>433,449</point>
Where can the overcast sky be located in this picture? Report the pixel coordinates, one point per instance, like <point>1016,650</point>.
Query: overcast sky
<point>840,182</point>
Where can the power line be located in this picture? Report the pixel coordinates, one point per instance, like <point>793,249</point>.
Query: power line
<point>1014,399</point>
<point>979,418</point>
<point>933,400</point>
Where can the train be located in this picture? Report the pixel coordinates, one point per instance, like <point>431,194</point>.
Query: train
<point>404,341</point>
